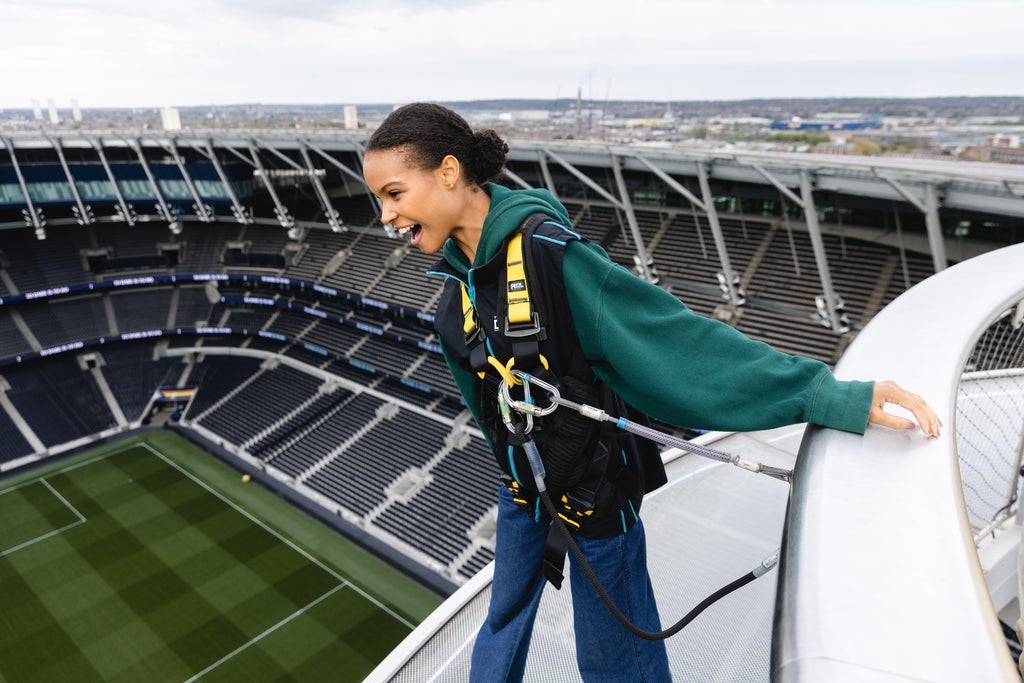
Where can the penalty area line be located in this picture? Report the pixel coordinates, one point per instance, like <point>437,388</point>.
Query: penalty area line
<point>266,633</point>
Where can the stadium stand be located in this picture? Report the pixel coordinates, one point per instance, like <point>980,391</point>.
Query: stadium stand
<point>133,375</point>
<point>344,364</point>
<point>13,444</point>
<point>60,401</point>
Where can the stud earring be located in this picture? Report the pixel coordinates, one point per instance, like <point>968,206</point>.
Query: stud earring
<point>451,186</point>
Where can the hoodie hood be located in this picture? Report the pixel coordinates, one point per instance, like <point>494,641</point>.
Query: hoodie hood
<point>509,208</point>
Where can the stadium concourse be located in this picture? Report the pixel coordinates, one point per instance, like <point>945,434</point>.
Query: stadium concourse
<point>240,288</point>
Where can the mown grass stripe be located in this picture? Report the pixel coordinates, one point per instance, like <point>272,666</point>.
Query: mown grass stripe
<point>263,635</point>
<point>167,534</point>
<point>284,540</point>
<point>28,629</point>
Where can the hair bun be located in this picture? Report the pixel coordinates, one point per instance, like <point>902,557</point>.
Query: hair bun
<point>491,153</point>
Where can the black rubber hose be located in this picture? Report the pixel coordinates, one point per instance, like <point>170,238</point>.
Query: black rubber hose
<point>626,623</point>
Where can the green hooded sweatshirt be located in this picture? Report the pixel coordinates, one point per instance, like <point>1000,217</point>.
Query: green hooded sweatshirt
<point>662,358</point>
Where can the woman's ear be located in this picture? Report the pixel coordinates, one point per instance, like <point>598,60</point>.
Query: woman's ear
<point>449,171</point>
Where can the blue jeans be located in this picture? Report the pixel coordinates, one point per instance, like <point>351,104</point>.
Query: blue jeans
<point>605,651</point>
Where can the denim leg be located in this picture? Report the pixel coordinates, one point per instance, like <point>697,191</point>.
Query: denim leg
<point>605,650</point>
<point>499,653</point>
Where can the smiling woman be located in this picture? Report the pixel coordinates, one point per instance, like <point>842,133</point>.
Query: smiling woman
<point>428,170</point>
<point>592,328</point>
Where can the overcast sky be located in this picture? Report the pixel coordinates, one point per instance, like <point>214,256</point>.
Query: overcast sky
<point>151,53</point>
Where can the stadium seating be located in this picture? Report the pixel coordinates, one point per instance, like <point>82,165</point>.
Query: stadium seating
<point>13,444</point>
<point>58,400</point>
<point>431,491</point>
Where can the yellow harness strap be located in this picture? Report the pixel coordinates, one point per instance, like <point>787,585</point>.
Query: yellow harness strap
<point>519,309</point>
<point>468,314</point>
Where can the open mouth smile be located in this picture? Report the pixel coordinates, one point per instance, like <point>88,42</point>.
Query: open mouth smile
<point>415,230</point>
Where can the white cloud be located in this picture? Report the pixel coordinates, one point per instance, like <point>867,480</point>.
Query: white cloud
<point>119,53</point>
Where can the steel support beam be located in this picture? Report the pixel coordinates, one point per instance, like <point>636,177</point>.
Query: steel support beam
<point>517,180</point>
<point>674,184</point>
<point>332,215</point>
<point>934,227</point>
<point>127,213</point>
<point>342,167</point>
<point>929,206</point>
<point>777,183</point>
<point>917,202</point>
<point>730,278</point>
<point>545,172</point>
<point>203,211</point>
<point>85,215</point>
<point>33,215</point>
<point>730,281</point>
<point>241,215</point>
<point>279,209</point>
<point>832,302</point>
<point>280,155</point>
<point>348,171</point>
<point>586,180</point>
<point>644,262</point>
<point>310,172</point>
<point>238,154</point>
<point>161,204</point>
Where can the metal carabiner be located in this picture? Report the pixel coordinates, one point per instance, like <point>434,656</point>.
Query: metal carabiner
<point>506,404</point>
<point>529,379</point>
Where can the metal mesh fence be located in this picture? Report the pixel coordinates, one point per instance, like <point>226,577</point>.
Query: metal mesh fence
<point>990,424</point>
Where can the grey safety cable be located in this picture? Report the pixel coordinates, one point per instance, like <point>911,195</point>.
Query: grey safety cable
<point>531,409</point>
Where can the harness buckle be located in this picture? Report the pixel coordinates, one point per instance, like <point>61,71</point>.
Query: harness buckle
<point>526,329</point>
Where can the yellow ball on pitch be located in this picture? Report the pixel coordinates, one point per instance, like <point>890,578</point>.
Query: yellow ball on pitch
<point>246,478</point>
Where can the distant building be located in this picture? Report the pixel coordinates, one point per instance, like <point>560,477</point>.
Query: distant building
<point>76,112</point>
<point>1007,155</point>
<point>826,124</point>
<point>1006,140</point>
<point>528,115</point>
<point>351,118</point>
<point>170,118</point>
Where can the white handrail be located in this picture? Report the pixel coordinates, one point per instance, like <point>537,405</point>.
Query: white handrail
<point>880,579</point>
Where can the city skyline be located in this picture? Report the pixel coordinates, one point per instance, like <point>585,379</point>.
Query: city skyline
<point>111,53</point>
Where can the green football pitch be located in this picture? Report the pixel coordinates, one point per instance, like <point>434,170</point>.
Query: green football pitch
<point>148,560</point>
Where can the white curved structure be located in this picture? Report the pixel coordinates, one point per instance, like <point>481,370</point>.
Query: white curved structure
<point>880,577</point>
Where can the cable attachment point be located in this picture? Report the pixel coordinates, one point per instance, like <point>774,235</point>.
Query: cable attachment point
<point>749,465</point>
<point>767,564</point>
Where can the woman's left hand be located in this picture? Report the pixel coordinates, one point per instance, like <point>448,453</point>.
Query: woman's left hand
<point>890,392</point>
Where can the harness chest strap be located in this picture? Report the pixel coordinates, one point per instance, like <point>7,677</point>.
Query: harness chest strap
<point>520,311</point>
<point>522,319</point>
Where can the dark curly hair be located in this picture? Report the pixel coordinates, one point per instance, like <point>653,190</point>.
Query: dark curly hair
<point>430,132</point>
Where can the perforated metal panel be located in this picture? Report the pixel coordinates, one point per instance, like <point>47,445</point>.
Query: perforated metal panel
<point>711,524</point>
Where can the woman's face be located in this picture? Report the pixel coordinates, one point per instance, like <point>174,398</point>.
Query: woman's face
<point>413,201</point>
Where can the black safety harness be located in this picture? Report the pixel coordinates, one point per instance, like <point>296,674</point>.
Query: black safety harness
<point>562,460</point>
<point>587,471</point>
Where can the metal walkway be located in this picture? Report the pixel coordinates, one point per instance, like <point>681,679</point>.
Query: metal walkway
<point>709,525</point>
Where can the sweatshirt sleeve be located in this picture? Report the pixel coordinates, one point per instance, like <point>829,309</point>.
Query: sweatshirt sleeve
<point>692,371</point>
